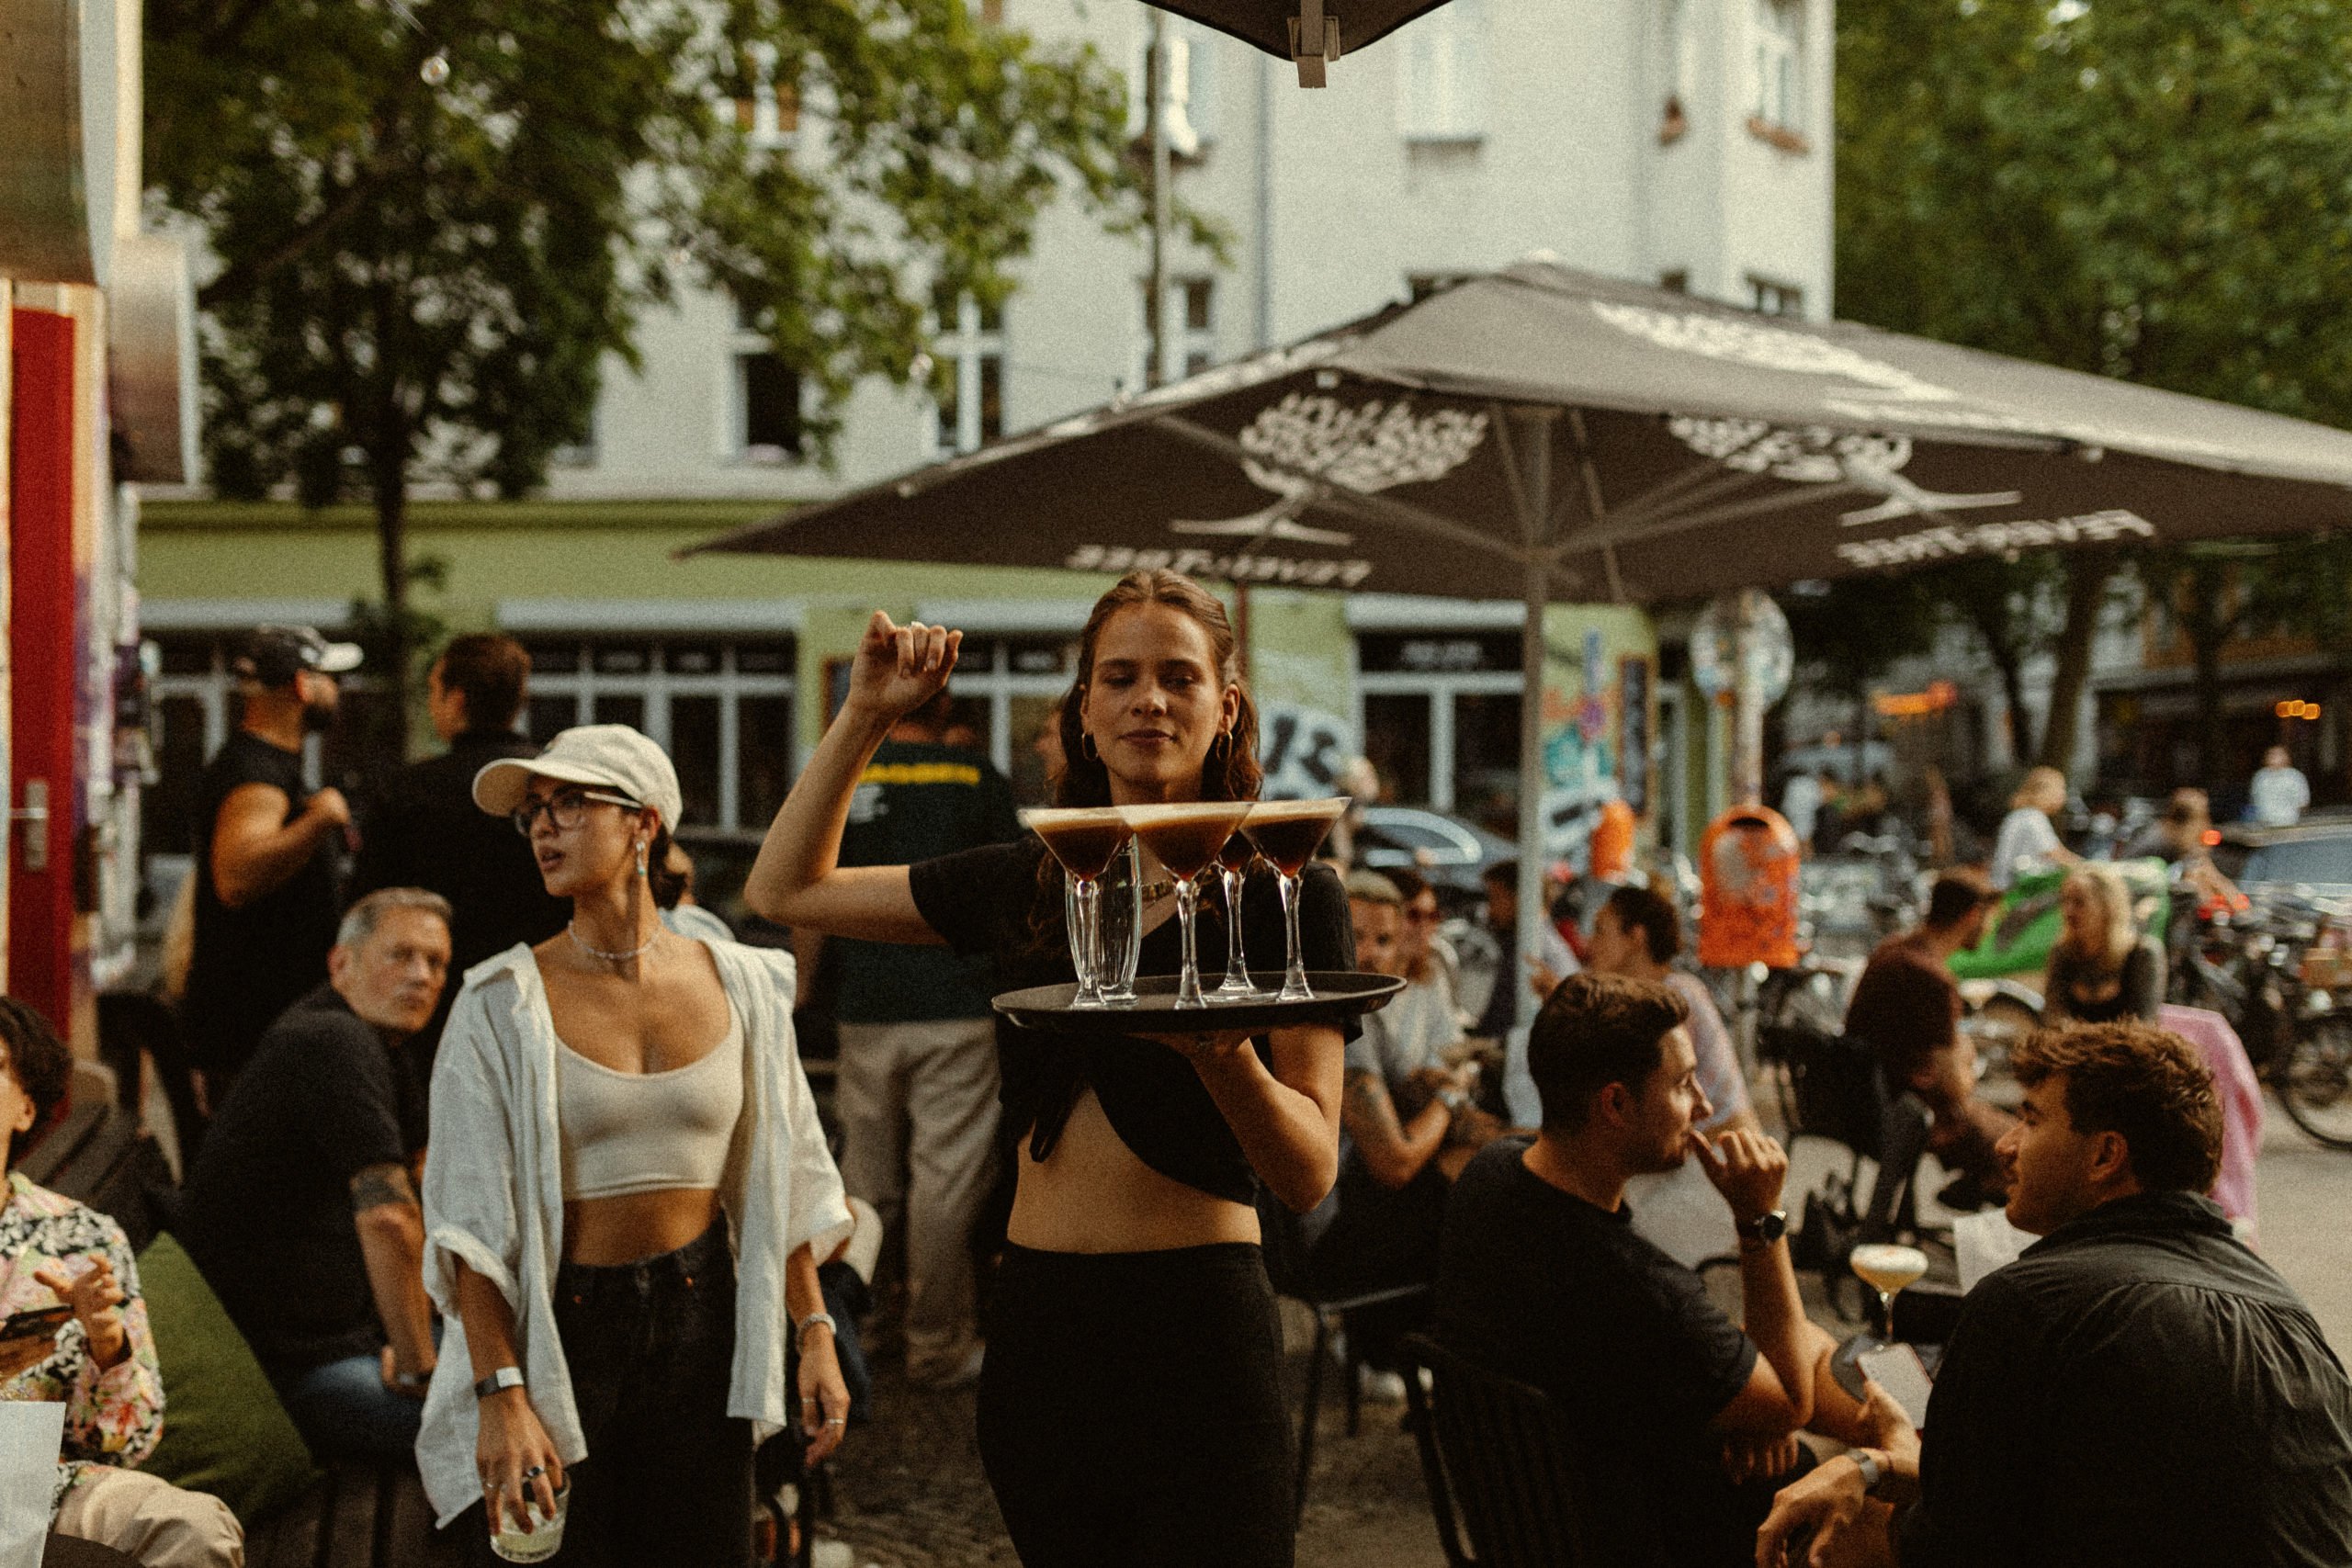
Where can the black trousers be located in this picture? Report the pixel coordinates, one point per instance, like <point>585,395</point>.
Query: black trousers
<point>668,1476</point>
<point>1131,1409</point>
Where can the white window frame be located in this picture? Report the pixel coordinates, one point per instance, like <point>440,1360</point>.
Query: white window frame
<point>1441,688</point>
<point>961,349</point>
<point>1188,343</point>
<point>1443,76</point>
<point>1778,63</point>
<point>1193,112</point>
<point>1771,297</point>
<point>771,131</point>
<point>657,686</point>
<point>743,344</point>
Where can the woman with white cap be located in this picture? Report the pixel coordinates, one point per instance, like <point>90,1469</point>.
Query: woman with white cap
<point>626,1197</point>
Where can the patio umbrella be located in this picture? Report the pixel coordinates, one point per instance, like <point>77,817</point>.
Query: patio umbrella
<point>1312,32</point>
<point>1542,433</point>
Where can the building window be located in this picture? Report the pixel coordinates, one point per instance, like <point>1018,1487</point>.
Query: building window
<point>1442,95</point>
<point>969,380</point>
<point>771,116</point>
<point>1192,321</point>
<point>1775,299</point>
<point>1780,56</point>
<point>1678,71</point>
<point>769,426</point>
<point>1192,85</point>
<point>1675,280</point>
<point>1438,713</point>
<point>721,708</point>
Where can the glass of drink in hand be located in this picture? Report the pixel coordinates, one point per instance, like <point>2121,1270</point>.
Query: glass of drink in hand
<point>1083,839</point>
<point>1887,1268</point>
<point>1232,865</point>
<point>1288,832</point>
<point>1187,839</point>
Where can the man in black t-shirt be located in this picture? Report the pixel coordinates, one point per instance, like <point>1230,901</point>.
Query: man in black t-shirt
<point>425,831</point>
<point>301,1208</point>
<point>1686,1422</point>
<point>917,1084</point>
<point>264,853</point>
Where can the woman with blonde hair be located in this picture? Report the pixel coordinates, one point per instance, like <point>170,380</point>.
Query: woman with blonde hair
<point>2028,842</point>
<point>1130,1401</point>
<point>2101,968</point>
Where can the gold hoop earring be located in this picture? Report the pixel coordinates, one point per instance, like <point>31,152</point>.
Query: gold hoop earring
<point>1222,747</point>
<point>1086,746</point>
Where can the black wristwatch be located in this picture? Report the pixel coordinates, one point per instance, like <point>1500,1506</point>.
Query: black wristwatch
<point>1765,1229</point>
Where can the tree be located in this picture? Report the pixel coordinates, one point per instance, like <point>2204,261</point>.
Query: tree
<point>2011,607</point>
<point>434,220</point>
<point>1849,631</point>
<point>2149,191</point>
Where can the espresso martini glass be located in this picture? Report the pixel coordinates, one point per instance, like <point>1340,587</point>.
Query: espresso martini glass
<point>1887,1269</point>
<point>1187,839</point>
<point>1232,865</point>
<point>1288,832</point>
<point>1084,839</point>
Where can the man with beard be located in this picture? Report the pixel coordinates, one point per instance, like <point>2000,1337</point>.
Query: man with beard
<point>266,904</point>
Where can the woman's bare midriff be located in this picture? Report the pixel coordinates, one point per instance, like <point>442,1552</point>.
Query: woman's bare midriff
<point>605,1233</point>
<point>1093,1195</point>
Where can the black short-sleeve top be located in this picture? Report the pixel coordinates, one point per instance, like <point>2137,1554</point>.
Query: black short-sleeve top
<point>981,901</point>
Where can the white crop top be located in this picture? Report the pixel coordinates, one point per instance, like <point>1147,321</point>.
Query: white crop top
<point>648,1131</point>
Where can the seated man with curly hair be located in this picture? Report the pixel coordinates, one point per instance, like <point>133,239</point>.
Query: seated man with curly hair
<point>100,1363</point>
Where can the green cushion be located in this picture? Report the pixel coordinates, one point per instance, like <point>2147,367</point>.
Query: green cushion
<point>224,1431</point>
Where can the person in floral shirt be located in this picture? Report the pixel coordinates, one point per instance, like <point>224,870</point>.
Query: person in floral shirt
<point>100,1365</point>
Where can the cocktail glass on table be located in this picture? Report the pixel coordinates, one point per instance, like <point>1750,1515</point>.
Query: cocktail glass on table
<point>1187,838</point>
<point>1083,839</point>
<point>1887,1268</point>
<point>1288,832</point>
<point>1233,864</point>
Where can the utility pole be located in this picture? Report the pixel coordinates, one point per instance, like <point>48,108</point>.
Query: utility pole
<point>1155,310</point>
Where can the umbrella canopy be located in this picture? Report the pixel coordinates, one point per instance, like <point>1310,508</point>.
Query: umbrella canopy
<point>1543,432</point>
<point>1312,32</point>
<point>1683,447</point>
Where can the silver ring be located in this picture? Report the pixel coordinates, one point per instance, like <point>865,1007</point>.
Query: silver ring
<point>837,1421</point>
<point>536,1470</point>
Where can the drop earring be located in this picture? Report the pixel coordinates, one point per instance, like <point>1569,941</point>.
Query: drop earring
<point>1086,746</point>
<point>640,857</point>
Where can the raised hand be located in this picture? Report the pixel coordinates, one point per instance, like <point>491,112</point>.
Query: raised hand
<point>96,1299</point>
<point>898,669</point>
<point>1746,1168</point>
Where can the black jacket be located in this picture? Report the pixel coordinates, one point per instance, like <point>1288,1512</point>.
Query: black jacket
<point>425,831</point>
<point>2138,1388</point>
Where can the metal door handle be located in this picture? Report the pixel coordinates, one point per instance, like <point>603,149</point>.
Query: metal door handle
<point>34,815</point>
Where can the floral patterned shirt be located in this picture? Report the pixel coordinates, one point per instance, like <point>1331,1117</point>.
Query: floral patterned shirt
<point>113,1416</point>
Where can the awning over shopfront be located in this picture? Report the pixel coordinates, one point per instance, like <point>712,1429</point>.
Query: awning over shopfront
<point>1542,433</point>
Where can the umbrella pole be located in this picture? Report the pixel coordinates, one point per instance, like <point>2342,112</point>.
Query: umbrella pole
<point>1532,428</point>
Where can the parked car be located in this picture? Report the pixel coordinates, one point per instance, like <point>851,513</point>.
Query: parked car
<point>1451,853</point>
<point>2314,857</point>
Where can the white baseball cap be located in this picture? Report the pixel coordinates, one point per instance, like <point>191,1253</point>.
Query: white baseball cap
<point>611,755</point>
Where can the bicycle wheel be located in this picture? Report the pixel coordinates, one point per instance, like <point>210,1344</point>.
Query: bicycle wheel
<point>2315,1083</point>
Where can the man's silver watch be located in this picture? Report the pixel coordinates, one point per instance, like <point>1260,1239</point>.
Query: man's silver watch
<point>1873,1472</point>
<point>1766,1228</point>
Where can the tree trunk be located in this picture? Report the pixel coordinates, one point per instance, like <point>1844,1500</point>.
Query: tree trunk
<point>391,549</point>
<point>2018,725</point>
<point>2208,625</point>
<point>2087,575</point>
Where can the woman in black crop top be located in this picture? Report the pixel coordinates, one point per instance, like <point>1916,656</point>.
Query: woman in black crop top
<point>1130,1408</point>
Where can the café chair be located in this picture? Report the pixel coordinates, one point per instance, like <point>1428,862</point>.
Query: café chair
<point>1502,1467</point>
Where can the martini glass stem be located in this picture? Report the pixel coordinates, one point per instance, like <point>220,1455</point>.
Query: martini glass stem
<point>1090,944</point>
<point>1236,968</point>
<point>1188,908</point>
<point>1295,986</point>
<point>1886,1315</point>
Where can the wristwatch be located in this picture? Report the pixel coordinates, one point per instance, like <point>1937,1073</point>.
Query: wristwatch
<point>1766,1228</point>
<point>1873,1472</point>
<point>504,1378</point>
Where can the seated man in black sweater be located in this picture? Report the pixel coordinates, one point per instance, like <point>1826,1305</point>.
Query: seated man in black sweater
<point>1687,1422</point>
<point>300,1209</point>
<point>2137,1388</point>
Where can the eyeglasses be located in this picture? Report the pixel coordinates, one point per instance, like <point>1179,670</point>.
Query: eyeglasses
<point>565,808</point>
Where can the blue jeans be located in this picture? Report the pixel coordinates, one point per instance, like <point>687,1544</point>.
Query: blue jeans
<point>344,1407</point>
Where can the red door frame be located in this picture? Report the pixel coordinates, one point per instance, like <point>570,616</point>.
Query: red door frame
<point>41,660</point>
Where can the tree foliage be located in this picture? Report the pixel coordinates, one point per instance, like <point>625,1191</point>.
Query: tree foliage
<point>435,219</point>
<point>2154,191</point>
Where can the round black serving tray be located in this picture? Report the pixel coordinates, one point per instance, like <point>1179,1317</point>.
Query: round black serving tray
<point>1339,994</point>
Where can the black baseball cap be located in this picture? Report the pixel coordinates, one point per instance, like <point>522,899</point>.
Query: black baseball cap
<point>274,655</point>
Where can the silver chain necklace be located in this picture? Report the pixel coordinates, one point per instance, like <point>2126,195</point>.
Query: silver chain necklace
<point>571,929</point>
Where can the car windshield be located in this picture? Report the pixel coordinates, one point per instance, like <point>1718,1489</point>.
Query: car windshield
<point>2301,859</point>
